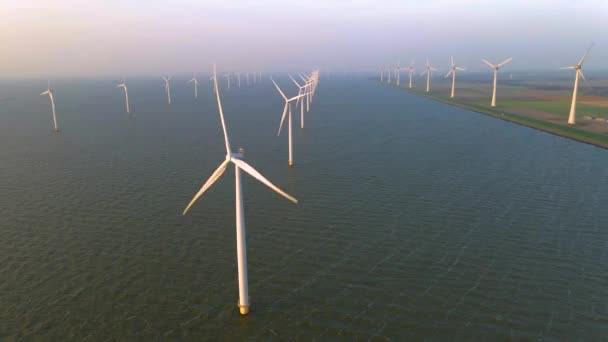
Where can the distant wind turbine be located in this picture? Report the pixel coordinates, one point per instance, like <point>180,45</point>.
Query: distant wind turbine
<point>168,87</point>
<point>286,109</point>
<point>228,79</point>
<point>398,71</point>
<point>579,72</point>
<point>495,67</point>
<point>302,90</point>
<point>194,81</point>
<point>50,92</point>
<point>452,72</point>
<point>239,164</point>
<point>411,71</point>
<point>428,70</point>
<point>124,86</point>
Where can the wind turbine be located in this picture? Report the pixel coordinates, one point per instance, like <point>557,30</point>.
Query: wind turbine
<point>239,164</point>
<point>398,71</point>
<point>195,82</point>
<point>453,73</point>
<point>168,87</point>
<point>495,67</point>
<point>124,86</point>
<point>49,92</point>
<point>302,90</point>
<point>238,77</point>
<point>227,75</point>
<point>579,72</point>
<point>311,83</point>
<point>411,71</point>
<point>428,71</point>
<point>287,108</point>
<point>382,75</point>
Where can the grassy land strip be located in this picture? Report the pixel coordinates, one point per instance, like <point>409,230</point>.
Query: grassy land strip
<point>570,132</point>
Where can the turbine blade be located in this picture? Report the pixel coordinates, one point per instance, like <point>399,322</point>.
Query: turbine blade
<point>489,64</point>
<point>505,62</point>
<point>45,92</point>
<point>219,105</point>
<point>214,177</point>
<point>585,56</point>
<point>461,69</point>
<point>452,57</point>
<point>282,118</point>
<point>584,79</point>
<point>279,89</point>
<point>570,67</point>
<point>250,170</point>
<point>449,73</point>
<point>294,81</point>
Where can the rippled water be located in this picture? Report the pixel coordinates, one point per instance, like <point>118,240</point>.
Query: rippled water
<point>416,219</point>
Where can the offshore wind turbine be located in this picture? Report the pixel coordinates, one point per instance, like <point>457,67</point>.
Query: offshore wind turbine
<point>302,90</point>
<point>50,92</point>
<point>495,68</point>
<point>428,71</point>
<point>239,164</point>
<point>411,70</point>
<point>228,78</point>
<point>287,109</point>
<point>579,72</point>
<point>195,82</point>
<point>311,82</point>
<point>168,87</point>
<point>453,73</point>
<point>398,71</point>
<point>124,86</point>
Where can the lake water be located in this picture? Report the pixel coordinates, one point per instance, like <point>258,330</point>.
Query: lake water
<point>416,220</point>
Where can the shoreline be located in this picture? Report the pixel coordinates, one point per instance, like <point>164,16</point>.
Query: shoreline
<point>571,133</point>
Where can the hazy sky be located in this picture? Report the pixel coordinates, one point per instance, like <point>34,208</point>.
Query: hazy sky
<point>94,37</point>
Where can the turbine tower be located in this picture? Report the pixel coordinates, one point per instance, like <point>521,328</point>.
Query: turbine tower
<point>195,83</point>
<point>168,87</point>
<point>452,72</point>
<point>50,92</point>
<point>428,71</point>
<point>124,86</point>
<point>495,67</point>
<point>287,108</point>
<point>579,72</point>
<point>239,164</point>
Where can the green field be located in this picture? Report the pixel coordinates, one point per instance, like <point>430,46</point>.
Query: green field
<point>514,100</point>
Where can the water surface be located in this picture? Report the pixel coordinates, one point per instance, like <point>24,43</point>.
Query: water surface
<point>416,219</point>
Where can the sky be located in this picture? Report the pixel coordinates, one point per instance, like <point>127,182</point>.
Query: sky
<point>122,37</point>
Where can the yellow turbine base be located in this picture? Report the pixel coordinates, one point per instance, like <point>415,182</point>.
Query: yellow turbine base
<point>244,309</point>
